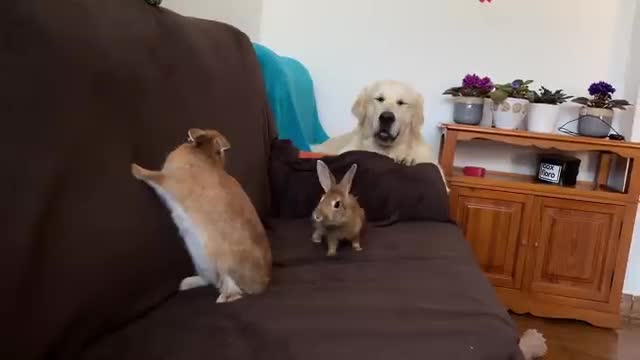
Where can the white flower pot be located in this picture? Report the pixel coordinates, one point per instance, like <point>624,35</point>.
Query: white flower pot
<point>510,113</point>
<point>542,118</point>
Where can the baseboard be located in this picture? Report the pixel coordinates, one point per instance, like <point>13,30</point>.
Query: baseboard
<point>630,306</point>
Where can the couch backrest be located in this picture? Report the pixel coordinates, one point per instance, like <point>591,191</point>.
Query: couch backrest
<point>88,87</point>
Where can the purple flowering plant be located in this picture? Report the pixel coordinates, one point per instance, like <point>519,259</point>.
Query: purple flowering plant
<point>472,86</point>
<point>602,97</point>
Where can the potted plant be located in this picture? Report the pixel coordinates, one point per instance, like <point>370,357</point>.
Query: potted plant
<point>597,113</point>
<point>469,99</point>
<point>544,109</point>
<point>510,103</point>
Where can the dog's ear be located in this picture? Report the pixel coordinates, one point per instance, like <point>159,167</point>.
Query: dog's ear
<point>359,108</point>
<point>417,120</point>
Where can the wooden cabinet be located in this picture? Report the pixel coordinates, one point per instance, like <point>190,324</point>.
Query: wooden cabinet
<point>574,247</point>
<point>549,250</point>
<point>493,223</point>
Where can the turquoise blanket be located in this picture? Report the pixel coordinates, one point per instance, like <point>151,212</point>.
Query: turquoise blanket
<point>291,98</point>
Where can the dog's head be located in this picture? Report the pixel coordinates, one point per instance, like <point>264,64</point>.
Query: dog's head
<point>386,110</point>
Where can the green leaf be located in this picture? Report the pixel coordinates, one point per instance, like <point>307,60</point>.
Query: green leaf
<point>581,100</point>
<point>452,92</point>
<point>499,96</point>
<point>620,102</point>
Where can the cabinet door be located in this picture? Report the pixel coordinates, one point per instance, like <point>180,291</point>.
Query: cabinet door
<point>496,225</point>
<point>574,247</point>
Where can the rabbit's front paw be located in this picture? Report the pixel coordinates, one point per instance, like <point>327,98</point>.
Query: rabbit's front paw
<point>192,282</point>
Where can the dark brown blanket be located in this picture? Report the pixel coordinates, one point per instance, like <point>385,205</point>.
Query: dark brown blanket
<point>413,293</point>
<point>385,189</point>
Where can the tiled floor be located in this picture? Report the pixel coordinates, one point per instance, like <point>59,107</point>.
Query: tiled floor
<point>569,340</point>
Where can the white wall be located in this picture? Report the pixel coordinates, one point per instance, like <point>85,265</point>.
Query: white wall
<point>633,68</point>
<point>243,14</point>
<point>632,282</point>
<point>432,44</point>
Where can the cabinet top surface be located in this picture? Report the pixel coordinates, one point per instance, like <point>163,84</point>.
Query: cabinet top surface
<point>528,136</point>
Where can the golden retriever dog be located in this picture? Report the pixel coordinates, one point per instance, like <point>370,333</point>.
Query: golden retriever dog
<point>390,117</point>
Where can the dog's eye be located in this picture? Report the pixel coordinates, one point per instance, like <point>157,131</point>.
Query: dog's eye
<point>380,99</point>
<point>336,204</point>
<point>401,102</point>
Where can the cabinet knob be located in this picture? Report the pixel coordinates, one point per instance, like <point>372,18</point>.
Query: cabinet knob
<point>536,244</point>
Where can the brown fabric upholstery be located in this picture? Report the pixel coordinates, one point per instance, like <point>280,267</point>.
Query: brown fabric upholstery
<point>87,88</point>
<point>385,190</point>
<point>414,292</point>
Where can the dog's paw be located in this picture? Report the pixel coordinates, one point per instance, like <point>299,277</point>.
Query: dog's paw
<point>532,344</point>
<point>405,161</point>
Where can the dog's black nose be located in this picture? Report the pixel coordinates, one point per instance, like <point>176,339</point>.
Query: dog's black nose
<point>387,118</point>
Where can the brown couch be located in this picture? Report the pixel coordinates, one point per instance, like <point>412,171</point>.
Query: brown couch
<point>91,260</point>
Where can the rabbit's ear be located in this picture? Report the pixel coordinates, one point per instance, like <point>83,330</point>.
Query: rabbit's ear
<point>197,136</point>
<point>346,181</point>
<point>326,177</point>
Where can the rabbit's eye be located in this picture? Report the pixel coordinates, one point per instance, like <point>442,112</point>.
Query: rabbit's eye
<point>336,204</point>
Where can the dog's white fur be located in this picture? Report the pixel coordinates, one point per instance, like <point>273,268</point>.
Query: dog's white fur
<point>533,345</point>
<point>408,107</point>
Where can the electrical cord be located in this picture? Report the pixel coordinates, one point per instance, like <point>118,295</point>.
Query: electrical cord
<point>615,136</point>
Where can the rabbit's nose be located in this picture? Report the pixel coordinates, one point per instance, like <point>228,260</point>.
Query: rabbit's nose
<point>317,217</point>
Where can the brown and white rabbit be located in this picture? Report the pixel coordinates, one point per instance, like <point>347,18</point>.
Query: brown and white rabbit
<point>338,215</point>
<point>219,225</point>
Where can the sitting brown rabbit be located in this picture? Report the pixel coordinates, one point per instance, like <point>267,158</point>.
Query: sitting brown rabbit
<point>219,225</point>
<point>338,215</point>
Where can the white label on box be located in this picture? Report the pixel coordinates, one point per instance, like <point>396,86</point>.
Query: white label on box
<point>549,172</point>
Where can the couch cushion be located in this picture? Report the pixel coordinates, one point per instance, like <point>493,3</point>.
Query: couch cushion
<point>414,292</point>
<point>384,188</point>
<point>87,88</point>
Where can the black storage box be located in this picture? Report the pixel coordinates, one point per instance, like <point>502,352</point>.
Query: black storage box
<point>558,169</point>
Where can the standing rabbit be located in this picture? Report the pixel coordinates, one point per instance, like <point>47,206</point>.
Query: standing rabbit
<point>338,215</point>
<point>216,219</point>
